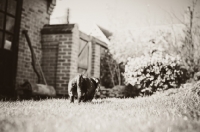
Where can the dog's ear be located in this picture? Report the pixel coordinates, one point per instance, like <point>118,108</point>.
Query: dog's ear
<point>96,80</point>
<point>80,80</point>
<point>97,83</point>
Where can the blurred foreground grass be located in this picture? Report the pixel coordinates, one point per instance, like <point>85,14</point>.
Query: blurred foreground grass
<point>170,111</point>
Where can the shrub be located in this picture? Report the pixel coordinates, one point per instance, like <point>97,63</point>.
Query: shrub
<point>153,73</point>
<point>110,71</point>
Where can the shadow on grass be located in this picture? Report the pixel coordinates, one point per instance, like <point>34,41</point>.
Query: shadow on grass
<point>102,101</point>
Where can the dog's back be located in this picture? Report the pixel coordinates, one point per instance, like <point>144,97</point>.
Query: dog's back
<point>90,88</point>
<point>84,87</point>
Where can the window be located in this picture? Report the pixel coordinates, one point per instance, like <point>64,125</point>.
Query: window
<point>7,23</point>
<point>11,7</point>
<point>10,15</point>
<point>1,20</point>
<point>2,5</point>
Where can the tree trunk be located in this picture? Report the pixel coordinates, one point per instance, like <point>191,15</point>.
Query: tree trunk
<point>111,73</point>
<point>119,74</point>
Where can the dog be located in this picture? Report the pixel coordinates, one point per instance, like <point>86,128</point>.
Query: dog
<point>84,87</point>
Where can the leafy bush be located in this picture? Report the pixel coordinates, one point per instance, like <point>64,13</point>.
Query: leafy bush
<point>153,73</point>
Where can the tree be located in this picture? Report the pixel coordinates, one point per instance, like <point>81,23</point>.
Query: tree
<point>124,44</point>
<point>111,71</point>
<point>189,47</point>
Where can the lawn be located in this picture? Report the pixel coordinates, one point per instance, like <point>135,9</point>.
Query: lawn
<point>170,111</point>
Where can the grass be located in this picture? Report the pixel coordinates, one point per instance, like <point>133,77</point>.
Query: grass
<point>171,111</point>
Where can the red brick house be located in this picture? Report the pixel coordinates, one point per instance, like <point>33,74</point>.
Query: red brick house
<point>62,50</point>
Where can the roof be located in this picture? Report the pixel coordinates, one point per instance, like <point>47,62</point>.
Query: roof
<point>87,37</point>
<point>105,31</point>
<point>57,28</point>
<point>96,32</point>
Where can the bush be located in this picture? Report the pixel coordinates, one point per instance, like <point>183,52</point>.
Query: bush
<point>111,73</point>
<point>153,73</point>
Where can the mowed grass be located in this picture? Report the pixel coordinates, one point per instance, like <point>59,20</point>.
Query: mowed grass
<point>171,111</point>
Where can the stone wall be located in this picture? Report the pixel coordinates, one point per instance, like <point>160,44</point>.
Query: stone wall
<point>117,92</point>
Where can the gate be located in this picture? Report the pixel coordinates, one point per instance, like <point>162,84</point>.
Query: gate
<point>84,57</point>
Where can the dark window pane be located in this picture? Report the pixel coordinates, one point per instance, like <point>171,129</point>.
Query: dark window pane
<point>8,42</point>
<point>1,20</point>
<point>1,39</point>
<point>12,6</point>
<point>10,23</point>
<point>2,4</point>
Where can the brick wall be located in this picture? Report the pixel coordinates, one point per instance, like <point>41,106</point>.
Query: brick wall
<point>74,53</point>
<point>60,55</point>
<point>95,58</point>
<point>34,16</point>
<point>49,58</point>
<point>57,51</point>
<point>64,63</point>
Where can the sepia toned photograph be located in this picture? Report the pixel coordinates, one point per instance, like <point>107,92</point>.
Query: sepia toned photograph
<point>99,65</point>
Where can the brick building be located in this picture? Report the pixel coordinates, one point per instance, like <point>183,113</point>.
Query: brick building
<point>62,50</point>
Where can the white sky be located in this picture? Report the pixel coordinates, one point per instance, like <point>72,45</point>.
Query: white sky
<point>126,14</point>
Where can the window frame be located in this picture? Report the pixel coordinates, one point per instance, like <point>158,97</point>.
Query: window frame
<point>3,30</point>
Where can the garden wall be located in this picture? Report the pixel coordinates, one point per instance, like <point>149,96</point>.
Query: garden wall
<point>35,14</point>
<point>117,92</point>
<point>61,48</point>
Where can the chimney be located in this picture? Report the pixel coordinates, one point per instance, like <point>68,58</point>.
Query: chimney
<point>68,16</point>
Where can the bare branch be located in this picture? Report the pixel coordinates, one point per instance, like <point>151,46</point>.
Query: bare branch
<point>172,15</point>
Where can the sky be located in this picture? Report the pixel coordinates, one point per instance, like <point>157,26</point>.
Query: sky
<point>120,14</point>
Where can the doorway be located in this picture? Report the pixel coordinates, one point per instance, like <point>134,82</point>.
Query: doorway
<point>10,15</point>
